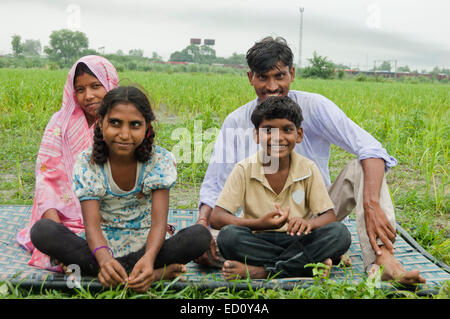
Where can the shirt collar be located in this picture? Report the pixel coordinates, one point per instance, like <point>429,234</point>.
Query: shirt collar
<point>298,170</point>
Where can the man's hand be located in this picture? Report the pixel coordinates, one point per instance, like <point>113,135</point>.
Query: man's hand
<point>378,226</point>
<point>273,220</point>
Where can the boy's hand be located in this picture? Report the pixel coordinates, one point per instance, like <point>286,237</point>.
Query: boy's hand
<point>112,273</point>
<point>298,226</point>
<point>274,219</point>
<point>142,276</point>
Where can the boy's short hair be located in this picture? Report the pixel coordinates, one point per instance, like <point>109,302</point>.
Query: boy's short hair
<point>264,55</point>
<point>277,107</point>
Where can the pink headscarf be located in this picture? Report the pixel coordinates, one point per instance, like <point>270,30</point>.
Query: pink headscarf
<point>66,135</point>
<point>70,111</point>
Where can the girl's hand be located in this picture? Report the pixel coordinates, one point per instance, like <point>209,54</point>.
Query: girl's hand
<point>112,273</point>
<point>298,226</point>
<point>142,276</point>
<point>274,219</point>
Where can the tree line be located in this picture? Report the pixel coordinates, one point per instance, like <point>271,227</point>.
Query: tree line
<point>66,46</point>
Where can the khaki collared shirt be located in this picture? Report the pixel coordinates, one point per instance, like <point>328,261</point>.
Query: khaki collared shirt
<point>304,191</point>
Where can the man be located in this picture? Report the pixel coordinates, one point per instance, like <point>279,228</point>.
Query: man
<point>361,184</point>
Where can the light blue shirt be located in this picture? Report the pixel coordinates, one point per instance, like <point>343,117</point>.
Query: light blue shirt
<point>324,123</point>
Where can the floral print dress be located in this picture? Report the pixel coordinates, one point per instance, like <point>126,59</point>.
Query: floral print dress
<point>126,215</point>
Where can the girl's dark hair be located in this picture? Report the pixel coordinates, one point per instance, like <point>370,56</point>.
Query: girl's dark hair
<point>81,69</point>
<point>124,94</point>
<point>277,107</point>
<point>264,55</point>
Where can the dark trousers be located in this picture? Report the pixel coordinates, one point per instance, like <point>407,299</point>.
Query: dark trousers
<point>282,254</point>
<point>58,242</point>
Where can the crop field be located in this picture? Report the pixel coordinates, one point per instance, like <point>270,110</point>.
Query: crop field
<point>410,120</point>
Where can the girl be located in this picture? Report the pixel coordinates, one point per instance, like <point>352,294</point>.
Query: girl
<point>123,185</point>
<point>69,131</point>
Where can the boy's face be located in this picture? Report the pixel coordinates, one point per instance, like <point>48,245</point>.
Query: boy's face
<point>278,137</point>
<point>274,82</point>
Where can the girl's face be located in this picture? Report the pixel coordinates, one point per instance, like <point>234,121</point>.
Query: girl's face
<point>123,129</point>
<point>89,92</point>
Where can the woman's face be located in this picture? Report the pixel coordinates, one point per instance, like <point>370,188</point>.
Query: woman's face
<point>89,92</point>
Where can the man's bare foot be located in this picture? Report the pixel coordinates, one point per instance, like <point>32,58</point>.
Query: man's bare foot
<point>170,272</point>
<point>233,269</point>
<point>393,270</point>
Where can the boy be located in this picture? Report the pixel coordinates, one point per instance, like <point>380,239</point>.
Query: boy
<point>268,239</point>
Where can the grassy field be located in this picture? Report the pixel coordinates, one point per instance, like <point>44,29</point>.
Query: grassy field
<point>410,120</point>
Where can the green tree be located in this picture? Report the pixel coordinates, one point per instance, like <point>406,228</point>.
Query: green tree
<point>403,69</point>
<point>385,66</point>
<point>203,54</point>
<point>17,47</point>
<point>156,57</point>
<point>320,67</point>
<point>66,46</point>
<point>181,56</point>
<point>237,59</point>
<point>136,52</point>
<point>207,55</point>
<point>32,47</point>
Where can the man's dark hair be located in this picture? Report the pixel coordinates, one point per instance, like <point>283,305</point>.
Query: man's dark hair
<point>277,107</point>
<point>264,55</point>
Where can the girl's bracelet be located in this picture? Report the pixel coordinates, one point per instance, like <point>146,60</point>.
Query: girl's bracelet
<point>100,247</point>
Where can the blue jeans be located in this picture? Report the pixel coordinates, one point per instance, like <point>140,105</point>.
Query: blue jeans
<point>281,253</point>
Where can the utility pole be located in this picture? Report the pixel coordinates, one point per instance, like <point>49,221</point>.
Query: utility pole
<point>300,44</point>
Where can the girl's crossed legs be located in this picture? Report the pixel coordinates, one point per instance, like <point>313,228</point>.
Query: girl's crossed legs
<point>60,243</point>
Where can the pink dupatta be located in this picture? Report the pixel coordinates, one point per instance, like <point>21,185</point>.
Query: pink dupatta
<point>65,136</point>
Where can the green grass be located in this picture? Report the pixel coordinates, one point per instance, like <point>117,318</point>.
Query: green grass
<point>410,120</point>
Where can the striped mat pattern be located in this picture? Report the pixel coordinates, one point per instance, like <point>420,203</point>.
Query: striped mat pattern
<point>14,268</point>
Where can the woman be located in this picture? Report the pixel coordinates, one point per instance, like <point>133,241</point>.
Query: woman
<point>69,132</point>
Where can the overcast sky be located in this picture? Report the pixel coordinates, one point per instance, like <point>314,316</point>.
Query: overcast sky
<point>352,32</point>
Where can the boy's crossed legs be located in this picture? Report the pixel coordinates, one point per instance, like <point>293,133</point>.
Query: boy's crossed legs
<point>277,253</point>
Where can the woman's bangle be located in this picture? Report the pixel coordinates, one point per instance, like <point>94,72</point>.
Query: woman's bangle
<point>100,247</point>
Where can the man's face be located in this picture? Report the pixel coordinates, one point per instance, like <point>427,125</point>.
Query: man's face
<point>274,82</point>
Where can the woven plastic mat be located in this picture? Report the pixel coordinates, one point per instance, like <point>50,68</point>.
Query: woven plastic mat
<point>14,267</point>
